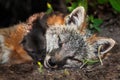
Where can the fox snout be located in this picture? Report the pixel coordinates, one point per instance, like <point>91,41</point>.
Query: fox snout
<point>54,59</point>
<point>49,62</point>
<point>58,58</point>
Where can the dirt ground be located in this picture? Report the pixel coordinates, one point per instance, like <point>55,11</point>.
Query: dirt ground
<point>109,71</point>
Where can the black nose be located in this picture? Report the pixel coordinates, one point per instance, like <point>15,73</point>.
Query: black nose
<point>52,62</point>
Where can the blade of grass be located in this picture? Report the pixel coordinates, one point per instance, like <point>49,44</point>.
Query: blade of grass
<point>99,55</point>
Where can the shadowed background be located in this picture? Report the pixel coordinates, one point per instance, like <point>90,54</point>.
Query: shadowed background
<point>14,11</point>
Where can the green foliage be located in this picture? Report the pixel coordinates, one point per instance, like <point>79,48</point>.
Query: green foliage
<point>49,8</point>
<point>88,62</point>
<point>94,23</point>
<point>40,67</point>
<point>75,4</point>
<point>114,3</point>
<point>102,1</point>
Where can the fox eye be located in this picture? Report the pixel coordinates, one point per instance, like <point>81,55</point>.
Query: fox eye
<point>59,42</point>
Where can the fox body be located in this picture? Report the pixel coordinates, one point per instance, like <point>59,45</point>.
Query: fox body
<point>16,41</point>
<point>69,44</point>
<point>11,50</point>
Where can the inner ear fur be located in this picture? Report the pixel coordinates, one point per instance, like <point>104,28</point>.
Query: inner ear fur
<point>76,17</point>
<point>106,44</point>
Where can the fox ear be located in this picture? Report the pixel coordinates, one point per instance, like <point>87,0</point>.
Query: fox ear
<point>104,44</point>
<point>76,17</point>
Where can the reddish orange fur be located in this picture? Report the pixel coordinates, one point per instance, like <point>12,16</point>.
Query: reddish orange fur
<point>56,19</point>
<point>13,37</point>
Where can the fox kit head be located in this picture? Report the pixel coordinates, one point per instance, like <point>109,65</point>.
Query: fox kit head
<point>67,47</point>
<point>34,41</point>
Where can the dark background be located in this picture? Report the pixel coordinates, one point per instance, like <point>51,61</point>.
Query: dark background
<point>15,11</point>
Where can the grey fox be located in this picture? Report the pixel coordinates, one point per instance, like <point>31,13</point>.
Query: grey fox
<point>68,44</point>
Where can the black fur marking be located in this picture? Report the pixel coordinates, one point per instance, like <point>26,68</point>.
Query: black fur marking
<point>35,42</point>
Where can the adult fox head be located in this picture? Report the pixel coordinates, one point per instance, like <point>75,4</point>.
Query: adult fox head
<point>67,46</point>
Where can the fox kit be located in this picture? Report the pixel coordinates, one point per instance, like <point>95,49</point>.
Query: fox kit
<point>11,51</point>
<point>35,41</point>
<point>69,44</point>
<point>16,41</point>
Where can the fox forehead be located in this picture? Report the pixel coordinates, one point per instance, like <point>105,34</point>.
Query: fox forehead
<point>63,34</point>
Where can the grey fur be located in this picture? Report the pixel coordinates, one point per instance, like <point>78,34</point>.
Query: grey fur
<point>75,45</point>
<point>67,47</point>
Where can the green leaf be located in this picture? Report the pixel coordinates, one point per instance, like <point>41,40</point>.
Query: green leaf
<point>102,1</point>
<point>115,4</point>
<point>76,3</point>
<point>97,28</point>
<point>97,23</point>
<point>40,67</point>
<point>91,18</point>
<point>50,9</point>
<point>83,3</point>
<point>90,62</point>
<point>72,7</point>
